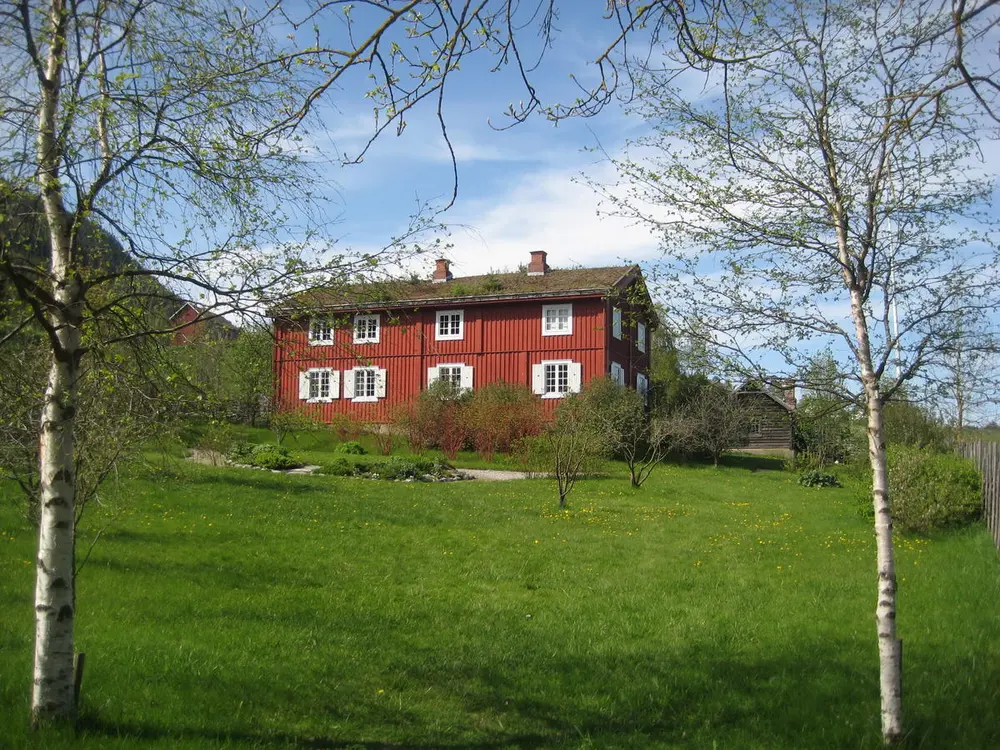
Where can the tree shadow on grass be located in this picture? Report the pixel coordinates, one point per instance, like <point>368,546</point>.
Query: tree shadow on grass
<point>752,463</point>
<point>94,727</point>
<point>812,695</point>
<point>263,481</point>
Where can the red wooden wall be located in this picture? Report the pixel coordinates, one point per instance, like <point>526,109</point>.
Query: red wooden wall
<point>191,331</point>
<point>501,341</point>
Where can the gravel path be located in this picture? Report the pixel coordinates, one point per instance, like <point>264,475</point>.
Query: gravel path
<point>496,475</point>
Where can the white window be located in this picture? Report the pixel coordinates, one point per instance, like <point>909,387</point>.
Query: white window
<point>366,329</point>
<point>618,373</point>
<point>616,323</point>
<point>556,378</point>
<point>458,374</point>
<point>642,385</point>
<point>450,325</point>
<point>640,336</point>
<point>557,320</point>
<point>364,384</point>
<point>319,385</point>
<point>320,332</point>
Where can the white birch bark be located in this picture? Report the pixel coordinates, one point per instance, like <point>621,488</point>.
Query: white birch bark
<point>889,646</point>
<point>52,694</point>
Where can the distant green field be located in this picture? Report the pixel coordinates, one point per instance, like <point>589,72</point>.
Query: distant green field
<point>713,608</point>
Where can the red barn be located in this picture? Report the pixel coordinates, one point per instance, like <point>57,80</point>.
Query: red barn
<point>366,349</point>
<point>193,324</point>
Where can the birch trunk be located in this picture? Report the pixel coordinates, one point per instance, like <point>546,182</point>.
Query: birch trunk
<point>890,650</point>
<point>52,694</point>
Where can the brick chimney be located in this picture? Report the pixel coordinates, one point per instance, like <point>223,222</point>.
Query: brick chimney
<point>789,391</point>
<point>538,266</point>
<point>442,272</point>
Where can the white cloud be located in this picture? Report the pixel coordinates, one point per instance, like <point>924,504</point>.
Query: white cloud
<point>545,210</point>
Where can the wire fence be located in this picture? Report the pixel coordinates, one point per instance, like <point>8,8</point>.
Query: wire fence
<point>986,456</point>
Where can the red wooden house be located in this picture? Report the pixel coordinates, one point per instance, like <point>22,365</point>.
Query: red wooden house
<point>366,349</point>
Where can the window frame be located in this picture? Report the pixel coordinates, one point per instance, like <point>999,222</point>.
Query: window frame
<point>555,308</point>
<point>640,336</point>
<point>574,378</point>
<point>367,318</point>
<point>642,385</point>
<point>371,371</point>
<point>438,336</point>
<point>616,322</point>
<point>453,377</point>
<point>333,385</point>
<point>328,329</point>
<point>465,375</point>
<point>617,373</point>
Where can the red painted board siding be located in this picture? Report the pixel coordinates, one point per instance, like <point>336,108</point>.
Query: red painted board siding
<point>501,342</point>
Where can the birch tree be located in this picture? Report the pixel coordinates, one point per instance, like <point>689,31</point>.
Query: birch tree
<point>829,177</point>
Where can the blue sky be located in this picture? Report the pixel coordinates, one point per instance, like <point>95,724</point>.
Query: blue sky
<point>516,187</point>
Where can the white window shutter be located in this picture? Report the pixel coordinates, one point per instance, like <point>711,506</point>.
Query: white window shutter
<point>348,383</point>
<point>432,376</point>
<point>334,383</point>
<point>575,377</point>
<point>538,379</point>
<point>304,385</point>
<point>378,329</point>
<point>466,377</point>
<point>379,383</point>
<point>616,323</point>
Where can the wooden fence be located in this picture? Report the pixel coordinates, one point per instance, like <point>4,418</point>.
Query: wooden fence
<point>986,456</point>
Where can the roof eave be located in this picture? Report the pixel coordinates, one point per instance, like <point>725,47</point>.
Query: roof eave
<point>439,301</point>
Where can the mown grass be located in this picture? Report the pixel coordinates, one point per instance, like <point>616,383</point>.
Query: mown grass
<point>729,608</point>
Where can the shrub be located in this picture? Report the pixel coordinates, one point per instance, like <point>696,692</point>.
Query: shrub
<point>932,490</point>
<point>826,432</point>
<point>339,467</point>
<point>216,439</point>
<point>352,447</point>
<point>346,428</point>
<point>364,465</point>
<point>452,429</point>
<point>241,452</point>
<point>907,423</point>
<point>436,418</point>
<point>284,422</point>
<point>267,456</point>
<point>383,438</point>
<point>818,479</point>
<point>404,420</point>
<point>570,447</point>
<point>403,468</point>
<point>499,415</point>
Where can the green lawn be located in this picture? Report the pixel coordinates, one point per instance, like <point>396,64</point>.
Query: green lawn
<point>728,608</point>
